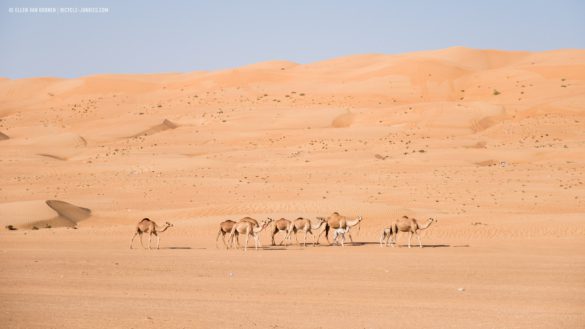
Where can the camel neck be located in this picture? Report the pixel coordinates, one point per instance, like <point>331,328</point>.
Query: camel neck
<point>426,225</point>
<point>317,226</point>
<point>353,222</point>
<point>160,230</point>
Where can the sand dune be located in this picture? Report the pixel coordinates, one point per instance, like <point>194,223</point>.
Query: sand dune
<point>274,126</point>
<point>39,214</point>
<point>488,142</point>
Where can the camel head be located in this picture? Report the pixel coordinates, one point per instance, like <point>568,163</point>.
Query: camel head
<point>169,224</point>
<point>321,219</point>
<point>266,222</point>
<point>431,219</point>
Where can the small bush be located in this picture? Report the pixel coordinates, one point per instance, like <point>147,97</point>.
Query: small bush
<point>496,92</point>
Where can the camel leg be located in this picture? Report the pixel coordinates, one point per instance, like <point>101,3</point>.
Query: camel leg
<point>284,241</point>
<point>305,242</point>
<point>382,237</point>
<point>273,234</point>
<point>223,239</point>
<point>230,241</point>
<point>409,238</point>
<point>149,239</point>
<point>281,242</point>
<point>418,237</point>
<point>141,243</point>
<point>132,241</point>
<point>157,241</point>
<point>246,245</point>
<point>237,238</point>
<point>313,237</point>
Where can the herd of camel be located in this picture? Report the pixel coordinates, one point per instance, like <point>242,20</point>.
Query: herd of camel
<point>249,227</point>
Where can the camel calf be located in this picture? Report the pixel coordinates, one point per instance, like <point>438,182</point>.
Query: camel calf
<point>339,234</point>
<point>387,236</point>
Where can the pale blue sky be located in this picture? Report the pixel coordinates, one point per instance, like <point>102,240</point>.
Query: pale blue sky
<point>144,36</point>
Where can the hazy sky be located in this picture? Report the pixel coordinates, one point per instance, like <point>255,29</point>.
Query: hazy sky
<point>160,36</point>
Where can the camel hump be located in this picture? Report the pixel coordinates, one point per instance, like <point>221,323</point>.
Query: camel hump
<point>145,219</point>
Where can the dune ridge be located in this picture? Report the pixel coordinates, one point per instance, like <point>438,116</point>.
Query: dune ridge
<point>452,131</point>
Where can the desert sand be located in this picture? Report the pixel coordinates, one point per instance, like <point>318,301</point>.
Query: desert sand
<point>490,143</point>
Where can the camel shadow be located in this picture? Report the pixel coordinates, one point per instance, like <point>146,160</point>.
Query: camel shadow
<point>182,248</point>
<point>430,246</point>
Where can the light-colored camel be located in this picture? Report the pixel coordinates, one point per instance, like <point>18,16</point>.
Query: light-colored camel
<point>148,226</point>
<point>339,234</point>
<point>225,227</point>
<point>246,228</point>
<point>305,225</point>
<point>281,225</point>
<point>411,226</point>
<point>336,221</point>
<point>387,237</point>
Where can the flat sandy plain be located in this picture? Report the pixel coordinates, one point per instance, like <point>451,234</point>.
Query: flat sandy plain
<point>490,143</point>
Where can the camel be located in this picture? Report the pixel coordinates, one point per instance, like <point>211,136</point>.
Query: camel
<point>281,225</point>
<point>339,234</point>
<point>225,227</point>
<point>336,221</point>
<point>245,227</point>
<point>386,237</point>
<point>148,226</point>
<point>411,226</point>
<point>236,235</point>
<point>304,225</point>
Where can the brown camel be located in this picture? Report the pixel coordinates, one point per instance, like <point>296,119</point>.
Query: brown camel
<point>336,221</point>
<point>236,235</point>
<point>246,228</point>
<point>148,226</point>
<point>411,226</point>
<point>225,227</point>
<point>281,225</point>
<point>304,225</point>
